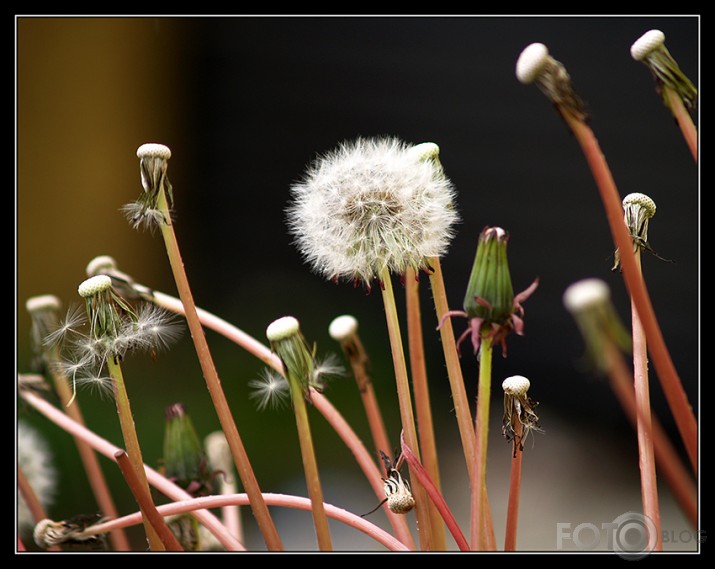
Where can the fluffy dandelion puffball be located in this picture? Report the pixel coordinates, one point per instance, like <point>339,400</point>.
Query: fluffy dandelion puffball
<point>372,204</point>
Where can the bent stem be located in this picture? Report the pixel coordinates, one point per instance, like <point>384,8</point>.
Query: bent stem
<point>213,383</point>
<point>512,513</point>
<point>425,424</point>
<point>646,453</point>
<point>482,527</point>
<point>405,403</point>
<point>109,450</point>
<point>669,379</point>
<point>131,441</point>
<point>264,354</point>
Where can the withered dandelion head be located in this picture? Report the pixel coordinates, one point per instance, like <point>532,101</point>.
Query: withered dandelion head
<point>519,417</point>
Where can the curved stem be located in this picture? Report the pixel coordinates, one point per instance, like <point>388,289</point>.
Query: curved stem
<point>109,450</point>
<point>684,120</point>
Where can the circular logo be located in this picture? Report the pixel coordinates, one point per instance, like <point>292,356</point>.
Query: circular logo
<point>634,535</point>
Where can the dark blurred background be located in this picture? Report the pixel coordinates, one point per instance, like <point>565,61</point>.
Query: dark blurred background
<point>245,103</point>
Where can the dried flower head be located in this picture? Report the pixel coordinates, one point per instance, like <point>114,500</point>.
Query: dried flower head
<point>535,65</point>
<point>153,164</point>
<point>650,49</point>
<point>371,205</point>
<point>398,493</point>
<point>490,304</point>
<point>44,311</point>
<point>122,282</point>
<point>638,209</point>
<point>589,302</point>
<point>519,416</point>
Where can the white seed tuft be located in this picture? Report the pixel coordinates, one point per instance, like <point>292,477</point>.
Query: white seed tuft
<point>531,62</point>
<point>43,302</point>
<point>646,44</point>
<point>153,150</point>
<point>94,285</point>
<point>343,328</point>
<point>516,385</point>
<point>282,328</point>
<point>641,200</point>
<point>425,151</point>
<point>585,294</point>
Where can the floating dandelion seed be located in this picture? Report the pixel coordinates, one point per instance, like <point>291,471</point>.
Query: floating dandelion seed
<point>372,204</point>
<point>269,390</point>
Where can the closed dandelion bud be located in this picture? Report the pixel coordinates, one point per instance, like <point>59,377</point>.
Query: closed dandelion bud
<point>373,205</point>
<point>184,458</point>
<point>490,304</point>
<point>589,302</point>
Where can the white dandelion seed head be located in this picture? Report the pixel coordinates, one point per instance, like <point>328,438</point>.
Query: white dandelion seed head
<point>586,294</point>
<point>641,200</point>
<point>343,328</point>
<point>646,44</point>
<point>35,460</point>
<point>283,328</point>
<point>94,285</point>
<point>153,150</point>
<point>531,62</point>
<point>516,385</point>
<point>270,390</point>
<point>370,205</point>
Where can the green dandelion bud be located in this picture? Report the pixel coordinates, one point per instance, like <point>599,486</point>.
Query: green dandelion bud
<point>589,302</point>
<point>288,343</point>
<point>490,303</point>
<point>650,50</point>
<point>184,458</point>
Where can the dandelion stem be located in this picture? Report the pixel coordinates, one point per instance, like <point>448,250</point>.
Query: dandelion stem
<point>263,353</point>
<point>683,119</point>
<point>454,369</point>
<point>481,521</point>
<point>213,383</point>
<point>672,468</point>
<point>405,402</point>
<point>109,450</point>
<point>140,490</point>
<point>669,379</point>
<point>425,424</point>
<point>131,441</point>
<point>310,465</point>
<point>512,513</point>
<point>94,472</point>
<point>646,454</point>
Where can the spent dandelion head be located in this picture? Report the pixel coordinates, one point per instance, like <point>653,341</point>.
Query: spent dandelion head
<point>638,209</point>
<point>650,50</point>
<point>589,302</point>
<point>289,344</point>
<point>519,417</point>
<point>153,164</point>
<point>535,65</point>
<point>490,305</point>
<point>371,205</point>
<point>123,283</point>
<point>44,311</point>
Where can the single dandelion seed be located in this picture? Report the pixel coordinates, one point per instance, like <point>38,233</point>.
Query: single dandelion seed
<point>153,164</point>
<point>519,417</point>
<point>270,390</point>
<point>373,204</point>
